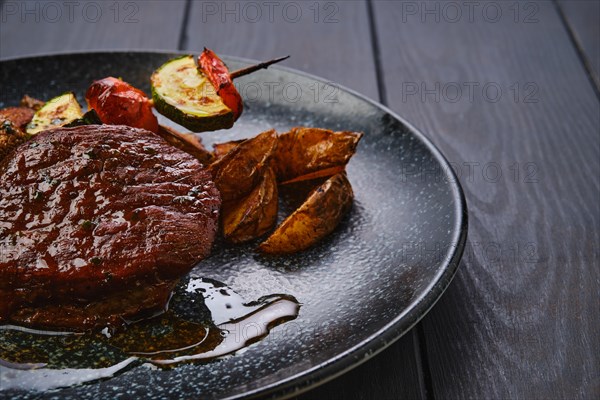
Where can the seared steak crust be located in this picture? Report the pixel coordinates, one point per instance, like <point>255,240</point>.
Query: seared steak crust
<point>97,223</point>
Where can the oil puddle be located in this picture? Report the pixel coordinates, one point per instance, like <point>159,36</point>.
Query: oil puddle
<point>206,320</point>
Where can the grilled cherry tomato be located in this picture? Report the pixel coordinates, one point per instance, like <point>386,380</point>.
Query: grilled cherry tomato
<point>217,73</point>
<point>118,103</point>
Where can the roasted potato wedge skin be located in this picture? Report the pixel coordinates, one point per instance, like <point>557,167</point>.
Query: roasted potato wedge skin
<point>31,102</point>
<point>11,136</point>
<point>317,217</point>
<point>186,142</point>
<point>19,116</point>
<point>303,151</point>
<point>322,173</point>
<point>240,170</point>
<point>255,214</point>
<point>220,149</point>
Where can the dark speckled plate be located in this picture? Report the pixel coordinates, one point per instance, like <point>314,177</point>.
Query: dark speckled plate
<point>361,289</point>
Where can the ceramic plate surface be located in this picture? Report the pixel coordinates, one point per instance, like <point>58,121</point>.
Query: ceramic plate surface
<point>362,288</point>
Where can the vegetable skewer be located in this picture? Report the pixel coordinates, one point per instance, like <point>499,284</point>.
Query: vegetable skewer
<point>199,97</point>
<point>202,97</point>
<point>255,67</point>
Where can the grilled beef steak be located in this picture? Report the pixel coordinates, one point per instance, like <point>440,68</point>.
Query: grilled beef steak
<point>97,224</point>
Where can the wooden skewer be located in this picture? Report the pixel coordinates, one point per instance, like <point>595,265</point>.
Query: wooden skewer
<point>256,67</point>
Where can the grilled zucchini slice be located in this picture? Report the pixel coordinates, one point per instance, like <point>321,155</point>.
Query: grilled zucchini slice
<point>89,118</point>
<point>57,112</point>
<point>186,96</point>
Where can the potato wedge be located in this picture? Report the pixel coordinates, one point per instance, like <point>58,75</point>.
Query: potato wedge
<point>314,219</point>
<point>255,214</point>
<point>31,102</point>
<point>11,136</point>
<point>322,173</point>
<point>220,149</point>
<point>186,142</point>
<point>303,151</point>
<point>240,170</point>
<point>19,116</point>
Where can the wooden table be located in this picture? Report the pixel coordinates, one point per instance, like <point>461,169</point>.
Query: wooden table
<point>507,90</point>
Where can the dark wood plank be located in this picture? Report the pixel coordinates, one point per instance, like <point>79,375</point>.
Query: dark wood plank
<point>520,319</point>
<point>337,46</point>
<point>583,17</point>
<point>392,374</point>
<point>37,27</point>
<point>328,39</point>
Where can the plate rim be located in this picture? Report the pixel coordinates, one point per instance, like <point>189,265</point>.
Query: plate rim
<point>401,323</point>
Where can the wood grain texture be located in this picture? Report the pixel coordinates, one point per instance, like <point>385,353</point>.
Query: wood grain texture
<point>583,17</point>
<point>37,27</point>
<point>328,39</point>
<point>393,374</point>
<point>520,320</point>
<point>331,40</point>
